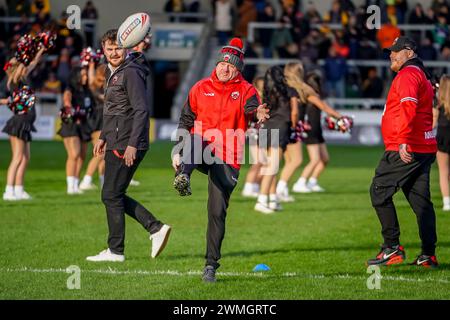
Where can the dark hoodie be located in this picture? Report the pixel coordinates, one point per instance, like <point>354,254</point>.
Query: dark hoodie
<point>142,60</point>
<point>126,109</point>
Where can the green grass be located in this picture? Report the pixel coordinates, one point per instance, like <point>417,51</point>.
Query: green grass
<point>316,247</point>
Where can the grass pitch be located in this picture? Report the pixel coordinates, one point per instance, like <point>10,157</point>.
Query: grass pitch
<point>316,248</point>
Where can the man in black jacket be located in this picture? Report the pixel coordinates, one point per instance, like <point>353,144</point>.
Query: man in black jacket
<point>124,140</point>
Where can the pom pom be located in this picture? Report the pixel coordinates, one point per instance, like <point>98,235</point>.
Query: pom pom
<point>46,40</point>
<point>343,124</point>
<point>75,114</point>
<point>88,54</point>
<point>236,42</point>
<point>22,100</point>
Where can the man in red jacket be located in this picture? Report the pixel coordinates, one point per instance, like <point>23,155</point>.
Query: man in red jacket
<point>212,127</point>
<point>410,151</point>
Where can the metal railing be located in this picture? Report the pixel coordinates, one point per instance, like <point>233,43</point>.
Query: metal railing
<point>193,73</point>
<point>252,26</point>
<point>351,63</point>
<point>181,16</point>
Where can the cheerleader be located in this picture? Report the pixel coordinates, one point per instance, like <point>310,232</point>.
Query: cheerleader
<point>283,103</point>
<point>443,138</point>
<point>96,122</point>
<point>19,128</point>
<point>315,143</point>
<point>253,179</point>
<point>75,130</point>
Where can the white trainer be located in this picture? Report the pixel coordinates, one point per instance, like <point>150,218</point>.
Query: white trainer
<point>446,207</point>
<point>301,188</point>
<point>263,208</point>
<point>25,196</point>
<point>283,196</point>
<point>9,197</point>
<point>249,194</point>
<point>107,255</point>
<point>134,183</point>
<point>159,240</point>
<point>87,186</point>
<point>316,188</point>
<point>275,206</point>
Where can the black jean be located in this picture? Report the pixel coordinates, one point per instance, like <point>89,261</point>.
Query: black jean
<point>413,178</point>
<point>117,203</point>
<point>222,179</point>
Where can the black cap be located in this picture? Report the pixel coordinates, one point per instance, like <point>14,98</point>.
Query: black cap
<point>401,43</point>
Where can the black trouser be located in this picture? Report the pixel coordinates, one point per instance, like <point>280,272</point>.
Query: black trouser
<point>117,203</point>
<point>414,180</point>
<point>222,179</point>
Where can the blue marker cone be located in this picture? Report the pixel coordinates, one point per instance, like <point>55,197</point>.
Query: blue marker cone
<point>261,267</point>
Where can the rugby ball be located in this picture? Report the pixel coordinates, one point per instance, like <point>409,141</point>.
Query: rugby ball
<point>133,30</point>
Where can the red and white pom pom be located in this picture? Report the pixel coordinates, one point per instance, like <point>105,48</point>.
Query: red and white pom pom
<point>343,124</point>
<point>236,42</point>
<point>88,54</point>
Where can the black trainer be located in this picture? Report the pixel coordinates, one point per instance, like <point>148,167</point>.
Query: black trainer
<point>425,261</point>
<point>182,184</point>
<point>209,274</point>
<point>388,256</point>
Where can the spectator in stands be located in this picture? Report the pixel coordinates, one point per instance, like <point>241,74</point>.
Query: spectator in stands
<point>373,86</point>
<point>312,14</point>
<point>354,36</point>
<point>445,52</point>
<point>418,16</point>
<point>401,8</point>
<point>41,10</point>
<point>223,13</point>
<point>89,12</point>
<point>282,41</point>
<point>52,84</point>
<point>335,69</point>
<point>441,31</point>
<point>340,44</point>
<point>18,8</point>
<point>387,34</point>
<point>335,15</point>
<point>193,6</point>
<point>247,13</point>
<point>63,68</point>
<point>175,6</point>
<point>431,16</point>
<point>265,35</point>
<point>427,51</point>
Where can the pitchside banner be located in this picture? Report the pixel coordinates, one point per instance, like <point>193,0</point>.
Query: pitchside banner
<point>366,129</point>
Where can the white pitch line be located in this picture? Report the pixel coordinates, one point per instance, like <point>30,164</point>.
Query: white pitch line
<point>222,274</point>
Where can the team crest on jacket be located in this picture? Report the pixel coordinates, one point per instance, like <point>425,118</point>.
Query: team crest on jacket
<point>226,58</point>
<point>114,80</point>
<point>235,95</point>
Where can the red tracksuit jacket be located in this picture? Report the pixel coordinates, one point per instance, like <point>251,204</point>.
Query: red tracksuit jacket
<point>408,115</point>
<point>221,113</point>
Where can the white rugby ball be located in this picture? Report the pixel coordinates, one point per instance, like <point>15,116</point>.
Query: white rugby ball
<point>133,30</point>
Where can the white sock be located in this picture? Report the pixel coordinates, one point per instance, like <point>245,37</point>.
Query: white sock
<point>301,181</point>
<point>262,198</point>
<point>273,198</point>
<point>255,187</point>
<point>446,201</point>
<point>18,191</point>
<point>102,180</point>
<point>70,183</point>
<point>9,189</point>
<point>281,186</point>
<point>248,187</point>
<point>76,181</point>
<point>87,180</point>
<point>312,181</point>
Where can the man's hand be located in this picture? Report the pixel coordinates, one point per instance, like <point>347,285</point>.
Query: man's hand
<point>262,113</point>
<point>176,161</point>
<point>404,155</point>
<point>99,148</point>
<point>129,156</point>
